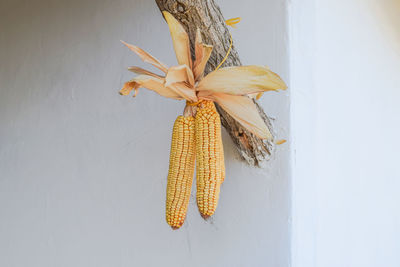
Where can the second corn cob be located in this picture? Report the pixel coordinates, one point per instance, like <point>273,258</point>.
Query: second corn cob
<point>209,158</point>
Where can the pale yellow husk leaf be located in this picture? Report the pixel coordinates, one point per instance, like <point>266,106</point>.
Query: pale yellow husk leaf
<point>146,57</point>
<point>180,73</point>
<point>128,87</point>
<point>243,109</point>
<point>241,80</point>
<point>184,90</point>
<point>202,54</point>
<point>139,70</point>
<point>180,40</point>
<point>151,83</point>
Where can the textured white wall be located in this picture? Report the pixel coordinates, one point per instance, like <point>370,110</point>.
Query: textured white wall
<point>83,170</point>
<point>345,63</point>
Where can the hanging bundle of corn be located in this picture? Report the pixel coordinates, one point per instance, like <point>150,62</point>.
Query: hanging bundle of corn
<point>196,136</point>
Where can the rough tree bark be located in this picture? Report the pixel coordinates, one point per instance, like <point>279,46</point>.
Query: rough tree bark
<point>207,16</point>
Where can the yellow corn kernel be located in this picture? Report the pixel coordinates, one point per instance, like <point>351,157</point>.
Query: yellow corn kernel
<point>181,170</point>
<point>209,158</point>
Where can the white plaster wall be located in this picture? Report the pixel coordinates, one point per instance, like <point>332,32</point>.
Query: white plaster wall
<point>345,63</point>
<point>83,170</point>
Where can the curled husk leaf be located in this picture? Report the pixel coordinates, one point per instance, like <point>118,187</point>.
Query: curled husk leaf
<point>180,40</point>
<point>181,73</point>
<point>202,54</point>
<point>146,57</point>
<point>241,80</point>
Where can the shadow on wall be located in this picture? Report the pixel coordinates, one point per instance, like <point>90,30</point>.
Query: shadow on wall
<point>389,14</point>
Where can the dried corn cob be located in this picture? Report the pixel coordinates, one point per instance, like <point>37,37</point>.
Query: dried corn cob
<point>181,169</point>
<point>209,162</point>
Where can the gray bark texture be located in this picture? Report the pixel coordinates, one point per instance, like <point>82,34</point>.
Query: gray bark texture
<point>207,16</point>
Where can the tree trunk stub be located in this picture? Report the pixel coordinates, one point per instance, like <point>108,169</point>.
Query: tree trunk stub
<point>207,16</point>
